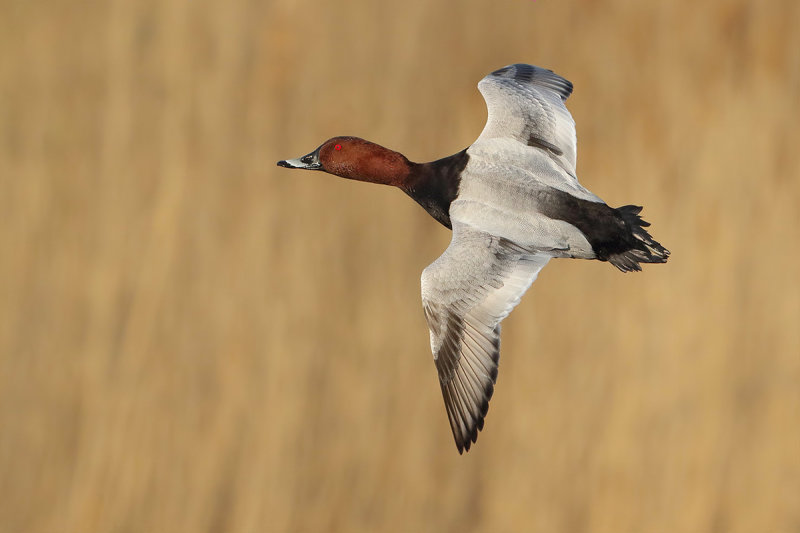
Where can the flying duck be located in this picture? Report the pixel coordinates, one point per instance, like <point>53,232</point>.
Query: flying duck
<point>513,202</point>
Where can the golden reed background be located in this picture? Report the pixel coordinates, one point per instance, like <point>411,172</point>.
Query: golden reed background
<point>192,339</point>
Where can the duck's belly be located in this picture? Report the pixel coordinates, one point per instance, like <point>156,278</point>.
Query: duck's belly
<point>513,210</point>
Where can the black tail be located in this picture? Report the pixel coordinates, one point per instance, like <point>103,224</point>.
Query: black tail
<point>642,247</point>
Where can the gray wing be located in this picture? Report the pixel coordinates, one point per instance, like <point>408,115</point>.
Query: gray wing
<point>526,103</point>
<point>466,292</point>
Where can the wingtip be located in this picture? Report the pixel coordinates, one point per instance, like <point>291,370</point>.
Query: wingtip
<point>467,444</point>
<point>524,73</point>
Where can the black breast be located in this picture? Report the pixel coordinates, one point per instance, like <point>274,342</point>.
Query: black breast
<point>435,185</point>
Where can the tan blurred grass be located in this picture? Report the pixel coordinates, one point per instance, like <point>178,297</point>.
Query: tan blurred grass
<point>194,340</point>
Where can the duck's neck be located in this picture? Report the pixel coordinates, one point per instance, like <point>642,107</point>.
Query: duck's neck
<point>373,163</point>
<point>434,185</point>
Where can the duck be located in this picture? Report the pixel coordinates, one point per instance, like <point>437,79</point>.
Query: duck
<point>513,202</point>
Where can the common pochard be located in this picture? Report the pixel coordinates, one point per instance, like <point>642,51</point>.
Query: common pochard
<point>513,202</point>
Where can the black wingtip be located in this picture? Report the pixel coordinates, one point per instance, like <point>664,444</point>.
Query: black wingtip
<point>524,73</point>
<point>468,443</point>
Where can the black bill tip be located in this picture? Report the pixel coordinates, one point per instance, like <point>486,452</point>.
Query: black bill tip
<point>307,162</point>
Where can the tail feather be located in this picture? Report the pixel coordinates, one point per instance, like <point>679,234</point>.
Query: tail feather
<point>643,248</point>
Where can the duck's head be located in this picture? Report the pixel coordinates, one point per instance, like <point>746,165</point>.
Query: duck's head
<point>356,159</point>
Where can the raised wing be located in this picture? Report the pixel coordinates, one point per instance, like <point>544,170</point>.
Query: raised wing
<point>526,103</point>
<point>466,292</point>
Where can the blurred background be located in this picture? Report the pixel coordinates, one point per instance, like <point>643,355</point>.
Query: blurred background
<point>193,339</point>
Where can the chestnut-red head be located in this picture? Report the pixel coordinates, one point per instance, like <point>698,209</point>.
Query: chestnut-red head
<point>355,159</point>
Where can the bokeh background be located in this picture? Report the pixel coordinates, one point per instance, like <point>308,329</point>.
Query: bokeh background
<point>195,340</point>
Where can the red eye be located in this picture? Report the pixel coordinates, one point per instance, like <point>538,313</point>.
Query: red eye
<point>337,147</point>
